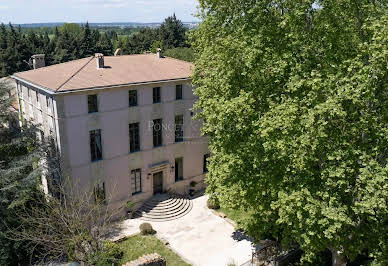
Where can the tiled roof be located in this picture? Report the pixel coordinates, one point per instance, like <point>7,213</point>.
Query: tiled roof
<point>119,70</point>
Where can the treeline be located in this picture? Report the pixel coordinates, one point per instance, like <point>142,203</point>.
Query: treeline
<point>71,41</point>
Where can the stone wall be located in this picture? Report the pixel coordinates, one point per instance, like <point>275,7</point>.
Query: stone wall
<point>148,260</point>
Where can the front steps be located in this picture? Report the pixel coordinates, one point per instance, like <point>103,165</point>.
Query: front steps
<point>164,207</point>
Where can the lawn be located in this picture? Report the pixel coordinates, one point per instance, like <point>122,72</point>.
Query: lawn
<point>238,216</point>
<point>138,245</point>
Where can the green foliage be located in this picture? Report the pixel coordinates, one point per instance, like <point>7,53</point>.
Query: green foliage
<point>172,32</point>
<point>71,41</point>
<point>213,203</point>
<point>111,254</point>
<point>193,184</point>
<point>138,246</point>
<point>130,205</point>
<point>146,229</point>
<point>181,53</point>
<point>18,178</point>
<point>294,99</point>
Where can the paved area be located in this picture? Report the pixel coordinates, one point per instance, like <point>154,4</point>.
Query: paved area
<point>200,237</point>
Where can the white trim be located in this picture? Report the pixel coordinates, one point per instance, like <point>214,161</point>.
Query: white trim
<point>122,85</point>
<point>97,88</point>
<point>33,85</point>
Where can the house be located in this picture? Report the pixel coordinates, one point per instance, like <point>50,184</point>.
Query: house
<point>8,84</point>
<point>122,124</point>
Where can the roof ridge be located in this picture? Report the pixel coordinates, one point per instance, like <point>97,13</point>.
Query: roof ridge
<point>53,65</point>
<point>72,76</point>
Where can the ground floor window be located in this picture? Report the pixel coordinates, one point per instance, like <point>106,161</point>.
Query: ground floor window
<point>136,181</point>
<point>178,169</point>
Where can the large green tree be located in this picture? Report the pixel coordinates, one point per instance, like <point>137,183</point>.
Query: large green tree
<point>19,175</point>
<point>294,97</point>
<point>172,32</point>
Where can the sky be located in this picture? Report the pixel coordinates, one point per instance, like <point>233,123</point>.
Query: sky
<point>40,11</point>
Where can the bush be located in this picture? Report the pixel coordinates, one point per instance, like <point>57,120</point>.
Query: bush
<point>193,184</point>
<point>146,229</point>
<point>130,205</point>
<point>111,254</point>
<point>213,203</point>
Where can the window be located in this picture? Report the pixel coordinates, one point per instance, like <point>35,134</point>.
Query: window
<point>136,181</point>
<point>156,95</point>
<point>92,103</point>
<point>99,193</point>
<point>157,133</point>
<point>41,135</point>
<point>95,145</point>
<point>37,97</point>
<point>29,94</point>
<point>179,128</point>
<point>178,169</point>
<point>132,96</point>
<point>178,92</point>
<point>134,139</point>
<point>40,117</point>
<point>205,157</point>
<point>48,103</point>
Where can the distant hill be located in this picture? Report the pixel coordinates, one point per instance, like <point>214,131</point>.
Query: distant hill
<point>110,24</point>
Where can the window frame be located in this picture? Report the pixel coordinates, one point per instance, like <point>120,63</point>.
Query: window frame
<point>156,95</point>
<point>96,153</point>
<point>129,98</point>
<point>136,174</point>
<point>179,88</point>
<point>134,137</point>
<point>95,104</point>
<point>177,168</point>
<point>157,135</point>
<point>179,128</point>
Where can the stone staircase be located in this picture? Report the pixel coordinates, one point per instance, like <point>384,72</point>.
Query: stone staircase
<point>164,207</point>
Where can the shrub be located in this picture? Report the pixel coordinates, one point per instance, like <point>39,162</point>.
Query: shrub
<point>146,229</point>
<point>130,205</point>
<point>193,184</point>
<point>213,203</point>
<point>111,254</point>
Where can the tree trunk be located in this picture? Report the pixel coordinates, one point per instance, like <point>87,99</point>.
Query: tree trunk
<point>336,258</point>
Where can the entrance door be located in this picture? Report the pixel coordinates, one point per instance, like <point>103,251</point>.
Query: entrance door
<point>158,182</point>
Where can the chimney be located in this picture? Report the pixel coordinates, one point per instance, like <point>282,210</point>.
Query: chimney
<point>159,53</point>
<point>118,52</point>
<point>99,60</point>
<point>38,61</point>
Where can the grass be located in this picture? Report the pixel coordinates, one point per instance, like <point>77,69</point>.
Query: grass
<point>237,215</point>
<point>138,245</point>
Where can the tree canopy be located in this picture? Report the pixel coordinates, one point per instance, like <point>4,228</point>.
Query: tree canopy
<point>19,178</point>
<point>294,98</point>
<point>71,41</point>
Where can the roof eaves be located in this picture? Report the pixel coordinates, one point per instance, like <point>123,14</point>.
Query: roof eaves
<point>30,83</point>
<point>121,85</point>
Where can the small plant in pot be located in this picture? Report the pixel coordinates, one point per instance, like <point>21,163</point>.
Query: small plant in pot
<point>130,207</point>
<point>192,188</point>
